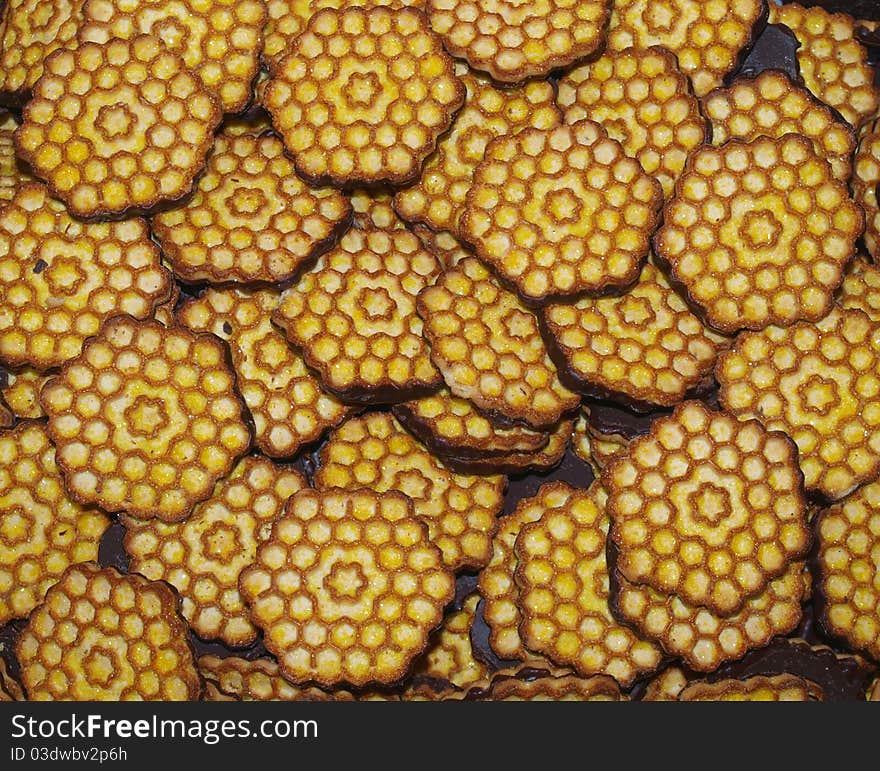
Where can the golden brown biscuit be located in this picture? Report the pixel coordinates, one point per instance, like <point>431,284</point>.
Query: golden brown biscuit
<point>567,688</point>
<point>103,636</point>
<point>667,685</point>
<point>450,656</point>
<point>861,288</point>
<point>259,680</point>
<point>7,418</point>
<point>865,179</point>
<point>211,692</point>
<point>146,419</point>
<point>445,246</point>
<point>254,122</point>
<point>13,173</point>
<point>758,688</point>
<point>20,390</point>
<point>373,210</point>
<point>164,312</point>
<point>10,690</point>
<point>591,446</point>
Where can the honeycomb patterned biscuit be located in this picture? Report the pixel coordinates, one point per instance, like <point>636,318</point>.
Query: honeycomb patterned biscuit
<point>488,346</point>
<point>13,174</point>
<point>759,233</point>
<point>254,122</point>
<point>772,105</point>
<point>60,279</point>
<point>704,640</point>
<point>592,447</point>
<point>347,588</point>
<point>563,585</point>
<point>817,383</point>
<point>211,692</point>
<point>861,289</point>
<point>203,557</point>
<point>709,37</point>
<point>833,64</point>
<point>561,212</point>
<point>146,419</point>
<point>363,96</point>
<point>376,453</point>
<point>758,688</point>
<point>567,688</point>
<point>643,100</point>
<point>164,312</point>
<point>437,199</point>
<point>354,317</point>
<point>287,403</point>
<point>104,636</point>
<point>443,244</point>
<point>667,685</point>
<point>513,41</point>
<point>451,657</point>
<point>707,508</point>
<point>20,390</point>
<point>117,127</point>
<point>10,690</point>
<point>42,531</point>
<point>865,180</point>
<point>644,347</point>
<point>373,210</point>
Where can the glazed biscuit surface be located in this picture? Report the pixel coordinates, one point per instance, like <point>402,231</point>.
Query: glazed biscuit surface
<point>667,685</point>
<point>373,210</point>
<point>451,656</point>
<point>13,173</point>
<point>758,688</point>
<point>443,244</point>
<point>866,177</point>
<point>20,391</point>
<point>861,289</point>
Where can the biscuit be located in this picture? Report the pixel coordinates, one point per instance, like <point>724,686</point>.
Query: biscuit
<point>772,105</point>
<point>709,37</point>
<point>865,179</point>
<point>563,585</point>
<point>591,446</point>
<point>164,312</point>
<point>567,688</point>
<point>347,588</point>
<point>421,688</point>
<point>259,680</point>
<point>666,686</point>
<point>373,210</point>
<point>254,123</point>
<point>443,244</point>
<point>42,531</point>
<point>354,317</point>
<point>707,508</point>
<point>363,96</point>
<point>288,406</point>
<point>103,636</point>
<point>7,419</point>
<point>643,100</point>
<point>252,219</point>
<point>375,452</point>
<point>861,289</point>
<point>146,419</point>
<point>10,690</point>
<point>874,693</point>
<point>489,349</point>
<point>13,173</point>
<point>644,348</point>
<point>61,278</point>
<point>117,127</point>
<point>438,197</point>
<point>20,390</point>
<point>759,233</point>
<point>758,688</point>
<point>203,556</point>
<point>833,63</point>
<point>513,41</point>
<point>817,383</point>
<point>561,212</point>
<point>211,692</point>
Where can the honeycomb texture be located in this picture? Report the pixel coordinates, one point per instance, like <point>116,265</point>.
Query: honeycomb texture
<point>865,179</point>
<point>818,383</point>
<point>642,99</point>
<point>347,588</point>
<point>451,657</point>
<point>251,218</point>
<point>287,403</point>
<point>759,233</point>
<point>488,347</point>
<point>12,171</point>
<point>707,508</point>
<point>203,557</point>
<point>354,317</point>
<point>103,636</point>
<point>373,210</point>
<point>60,279</point>
<point>707,36</point>
<point>514,40</point>
<point>21,391</point>
<point>861,289</point>
<point>561,211</point>
<point>666,686</point>
<point>566,688</point>
<point>363,95</point>
<point>443,244</point>
<point>42,531</point>
<point>758,688</point>
<point>644,346</point>
<point>146,419</point>
<point>375,452</point>
<point>10,690</point>
<point>118,126</point>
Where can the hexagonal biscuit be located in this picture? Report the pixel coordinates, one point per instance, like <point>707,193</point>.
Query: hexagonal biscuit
<point>703,639</point>
<point>392,93</point>
<point>252,219</point>
<point>146,419</point>
<point>203,557</point>
<point>354,317</point>
<point>709,37</point>
<point>758,688</point>
<point>817,383</point>
<point>10,690</point>
<point>644,347</point>
<point>445,246</point>
<point>117,127</point>
<point>563,585</point>
<point>861,288</point>
<point>287,403</point>
<point>513,41</point>
<point>375,452</point>
<point>561,212</point>
<point>347,588</point>
<point>759,233</point>
<point>437,199</point>
<point>103,636</point>
<point>667,685</point>
<point>62,278</point>
<point>707,508</point>
<point>42,531</point>
<point>20,390</point>
<point>643,100</point>
<point>13,174</point>
<point>488,346</point>
<point>833,64</point>
<point>567,688</point>
<point>373,210</point>
<point>772,105</point>
<point>865,179</point>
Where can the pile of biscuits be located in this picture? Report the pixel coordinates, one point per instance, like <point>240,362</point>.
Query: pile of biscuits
<point>438,350</point>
